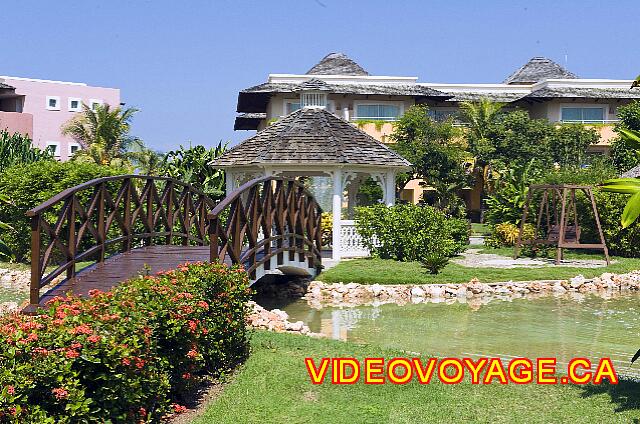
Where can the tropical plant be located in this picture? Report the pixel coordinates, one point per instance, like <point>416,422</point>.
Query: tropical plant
<point>104,135</point>
<point>627,185</point>
<point>192,165</point>
<point>507,202</point>
<point>5,251</point>
<point>16,149</point>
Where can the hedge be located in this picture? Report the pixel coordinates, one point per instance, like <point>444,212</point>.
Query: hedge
<point>127,355</point>
<point>27,186</point>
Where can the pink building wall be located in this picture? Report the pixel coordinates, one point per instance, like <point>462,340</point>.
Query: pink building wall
<point>17,122</point>
<point>47,122</point>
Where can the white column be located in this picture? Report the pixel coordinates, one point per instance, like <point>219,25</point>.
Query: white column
<point>229,177</point>
<point>337,211</point>
<point>345,113</point>
<point>390,190</point>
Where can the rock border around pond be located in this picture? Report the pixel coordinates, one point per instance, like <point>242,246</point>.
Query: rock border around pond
<point>321,293</point>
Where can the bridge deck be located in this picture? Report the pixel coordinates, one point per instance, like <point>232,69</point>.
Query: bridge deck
<point>111,272</point>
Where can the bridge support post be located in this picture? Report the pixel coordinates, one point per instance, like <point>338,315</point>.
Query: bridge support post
<point>337,212</point>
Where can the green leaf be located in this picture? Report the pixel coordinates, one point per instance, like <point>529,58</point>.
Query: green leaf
<point>631,138</point>
<point>631,211</point>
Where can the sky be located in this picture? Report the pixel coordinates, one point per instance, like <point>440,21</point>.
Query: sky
<point>182,63</point>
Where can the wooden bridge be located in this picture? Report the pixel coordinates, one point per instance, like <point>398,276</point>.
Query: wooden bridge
<point>100,233</point>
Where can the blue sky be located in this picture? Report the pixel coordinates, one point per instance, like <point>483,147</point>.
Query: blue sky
<point>182,63</point>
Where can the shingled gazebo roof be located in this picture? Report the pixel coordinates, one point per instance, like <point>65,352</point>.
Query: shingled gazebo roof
<point>311,137</point>
<point>538,69</point>
<point>336,64</point>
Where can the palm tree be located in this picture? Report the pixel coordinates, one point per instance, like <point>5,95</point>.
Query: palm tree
<point>103,133</point>
<point>479,116</point>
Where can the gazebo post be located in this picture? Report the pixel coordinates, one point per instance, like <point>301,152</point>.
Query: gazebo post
<point>337,212</point>
<point>390,188</point>
<point>228,178</point>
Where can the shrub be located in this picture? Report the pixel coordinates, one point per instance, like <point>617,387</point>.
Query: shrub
<point>506,235</point>
<point>27,186</point>
<point>410,233</point>
<point>16,149</point>
<point>124,355</point>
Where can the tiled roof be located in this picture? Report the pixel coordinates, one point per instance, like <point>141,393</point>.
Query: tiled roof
<point>364,89</point>
<point>538,69</point>
<point>632,173</point>
<point>336,64</point>
<point>585,92</point>
<point>313,84</point>
<point>311,136</point>
<point>474,96</point>
<point>248,121</point>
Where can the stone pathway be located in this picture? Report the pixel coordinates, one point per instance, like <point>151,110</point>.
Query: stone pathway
<point>472,258</point>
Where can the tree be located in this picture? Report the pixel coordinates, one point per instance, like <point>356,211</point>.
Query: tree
<point>624,155</point>
<point>17,149</point>
<point>479,117</point>
<point>569,142</point>
<point>5,251</point>
<point>104,135</point>
<point>436,153</point>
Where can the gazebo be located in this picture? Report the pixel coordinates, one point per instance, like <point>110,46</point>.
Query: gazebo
<point>314,142</point>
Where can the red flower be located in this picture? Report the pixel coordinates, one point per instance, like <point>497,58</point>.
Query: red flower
<point>126,361</point>
<point>72,354</point>
<point>139,363</point>
<point>81,329</point>
<point>142,412</point>
<point>11,390</point>
<point>94,338</point>
<point>186,376</point>
<point>179,409</point>
<point>94,292</point>
<point>192,326</point>
<point>60,393</point>
<point>203,304</point>
<point>192,354</point>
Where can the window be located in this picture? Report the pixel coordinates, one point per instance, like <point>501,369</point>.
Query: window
<point>582,114</point>
<point>95,102</point>
<point>74,104</point>
<point>53,103</point>
<point>73,147</point>
<point>54,148</point>
<point>313,100</point>
<point>378,112</point>
<point>442,115</point>
<point>291,106</point>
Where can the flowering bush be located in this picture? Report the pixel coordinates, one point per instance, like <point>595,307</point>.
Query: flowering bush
<point>125,355</point>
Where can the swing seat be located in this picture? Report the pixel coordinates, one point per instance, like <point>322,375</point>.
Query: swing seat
<point>571,233</point>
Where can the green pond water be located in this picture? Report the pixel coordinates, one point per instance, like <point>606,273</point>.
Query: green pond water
<point>560,327</point>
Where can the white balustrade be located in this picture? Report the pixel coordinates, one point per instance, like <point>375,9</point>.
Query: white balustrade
<point>350,241</point>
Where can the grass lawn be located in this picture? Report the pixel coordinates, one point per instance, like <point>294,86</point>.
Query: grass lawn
<point>386,271</point>
<point>480,229</point>
<point>273,387</point>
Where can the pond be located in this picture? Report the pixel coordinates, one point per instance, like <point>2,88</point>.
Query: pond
<point>562,327</point>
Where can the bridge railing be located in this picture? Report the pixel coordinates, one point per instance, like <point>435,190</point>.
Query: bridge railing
<point>267,217</point>
<point>111,215</point>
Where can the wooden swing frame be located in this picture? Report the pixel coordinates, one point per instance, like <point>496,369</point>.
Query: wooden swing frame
<point>559,232</point>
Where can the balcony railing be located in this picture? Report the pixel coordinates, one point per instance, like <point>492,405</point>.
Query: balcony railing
<point>589,121</point>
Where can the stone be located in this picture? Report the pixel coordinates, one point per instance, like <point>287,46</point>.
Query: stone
<point>417,292</point>
<point>577,281</point>
<point>558,288</point>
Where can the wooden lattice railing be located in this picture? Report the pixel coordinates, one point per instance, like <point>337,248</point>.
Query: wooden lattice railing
<point>267,217</point>
<point>111,215</point>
